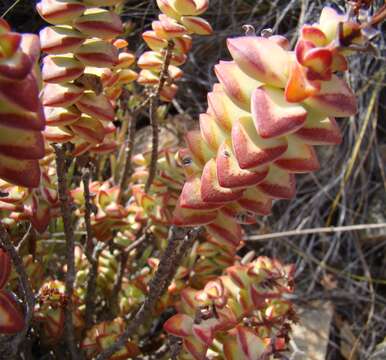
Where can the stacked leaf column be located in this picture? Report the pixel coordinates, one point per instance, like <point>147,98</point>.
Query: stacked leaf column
<point>270,107</point>
<point>21,114</point>
<point>264,117</point>
<point>81,60</point>
<point>172,30</point>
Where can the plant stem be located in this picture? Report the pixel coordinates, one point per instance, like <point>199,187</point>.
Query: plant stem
<point>167,267</point>
<point>129,149</point>
<point>65,207</point>
<point>153,115</point>
<point>28,294</point>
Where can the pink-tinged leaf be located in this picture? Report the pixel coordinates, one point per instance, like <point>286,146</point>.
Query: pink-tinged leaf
<point>319,130</point>
<point>211,190</point>
<point>339,62</point>
<point>41,216</point>
<point>125,59</point>
<point>223,109</point>
<point>100,23</point>
<point>11,116</point>
<point>273,115</point>
<point>60,69</point>
<point>22,95</point>
<point>261,59</point>
<point>314,35</point>
<point>196,25</point>
<point>166,7</point>
<point>153,41</point>
<point>168,92</point>
<point>5,267</point>
<point>198,147</point>
<point>195,348</point>
<point>231,349</point>
<point>179,325</point>
<point>21,143</point>
<point>237,85</point>
<point>183,7</point>
<point>59,11</point>
<point>225,229</point>
<point>211,132</point>
<point>167,28</point>
<point>204,331</point>
<point>17,68</point>
<point>335,99</point>
<point>189,217</point>
<point>279,184</point>
<point>11,318</point>
<point>30,45</point>
<point>126,76</point>
<point>89,129</point>
<point>178,59</point>
<point>282,41</point>
<point>20,172</point>
<point>148,77</point>
<point>57,134</point>
<point>98,53</point>
<point>61,95</point>
<point>298,87</point>
<point>183,44</point>
<point>256,201</point>
<point>9,44</point>
<point>191,196</point>
<point>61,116</point>
<point>60,39</point>
<point>329,21</point>
<point>249,343</point>
<point>251,150</point>
<point>239,276</point>
<point>96,106</point>
<point>229,173</point>
<point>299,157</point>
<point>318,62</point>
<point>228,247</point>
<point>188,302</point>
<point>150,60</point>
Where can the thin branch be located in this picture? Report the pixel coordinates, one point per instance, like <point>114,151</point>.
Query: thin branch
<point>91,286</point>
<point>91,254</point>
<point>29,298</point>
<point>129,149</point>
<point>161,280</point>
<point>153,115</point>
<point>66,211</point>
<point>87,210</point>
<point>320,230</point>
<point>25,238</point>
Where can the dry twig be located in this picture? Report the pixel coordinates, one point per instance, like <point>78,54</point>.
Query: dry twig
<point>66,211</point>
<point>169,262</point>
<point>29,298</point>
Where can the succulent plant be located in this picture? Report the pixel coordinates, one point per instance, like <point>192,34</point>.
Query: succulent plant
<point>82,61</point>
<point>21,114</point>
<point>171,32</point>
<point>239,315</point>
<point>102,335</point>
<point>264,117</point>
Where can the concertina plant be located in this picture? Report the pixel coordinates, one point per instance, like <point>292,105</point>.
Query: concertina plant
<point>269,109</point>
